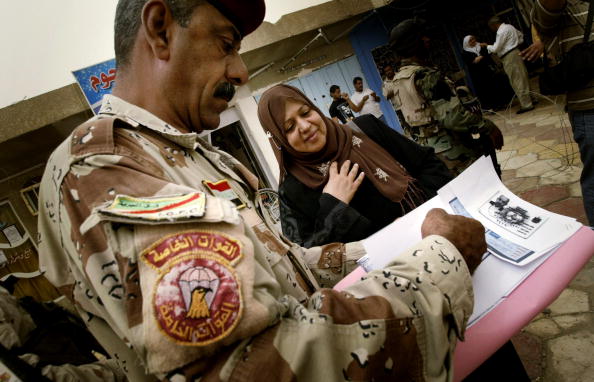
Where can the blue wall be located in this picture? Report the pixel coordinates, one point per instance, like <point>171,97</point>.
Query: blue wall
<point>368,35</point>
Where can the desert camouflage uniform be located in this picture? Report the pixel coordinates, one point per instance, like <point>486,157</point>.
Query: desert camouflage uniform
<point>442,122</point>
<point>267,317</point>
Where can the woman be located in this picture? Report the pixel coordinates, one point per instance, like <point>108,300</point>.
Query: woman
<point>323,196</point>
<point>491,85</point>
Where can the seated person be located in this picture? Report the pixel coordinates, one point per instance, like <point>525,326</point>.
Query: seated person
<point>339,183</point>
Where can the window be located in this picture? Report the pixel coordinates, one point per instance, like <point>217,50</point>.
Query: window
<point>30,195</point>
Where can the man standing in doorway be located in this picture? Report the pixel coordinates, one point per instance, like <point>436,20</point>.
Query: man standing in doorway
<point>340,109</point>
<point>506,47</point>
<point>388,87</point>
<point>389,91</point>
<point>371,105</point>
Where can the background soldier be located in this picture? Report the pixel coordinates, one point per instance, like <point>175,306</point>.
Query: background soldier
<point>435,115</point>
<point>179,284</point>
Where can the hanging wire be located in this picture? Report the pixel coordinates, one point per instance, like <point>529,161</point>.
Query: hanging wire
<point>568,155</point>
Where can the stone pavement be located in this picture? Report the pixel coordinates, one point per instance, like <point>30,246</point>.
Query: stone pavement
<point>541,164</point>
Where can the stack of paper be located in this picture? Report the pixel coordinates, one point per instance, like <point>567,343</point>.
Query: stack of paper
<point>517,231</point>
<point>519,235</point>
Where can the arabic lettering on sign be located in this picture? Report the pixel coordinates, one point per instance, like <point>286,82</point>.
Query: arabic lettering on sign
<point>24,255</point>
<point>104,80</point>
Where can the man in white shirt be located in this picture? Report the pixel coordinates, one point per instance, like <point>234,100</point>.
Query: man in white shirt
<point>506,47</point>
<point>365,101</point>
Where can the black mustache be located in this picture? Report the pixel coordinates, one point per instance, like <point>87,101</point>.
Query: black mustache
<point>225,90</point>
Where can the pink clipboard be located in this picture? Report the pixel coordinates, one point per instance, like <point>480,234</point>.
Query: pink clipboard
<point>531,297</point>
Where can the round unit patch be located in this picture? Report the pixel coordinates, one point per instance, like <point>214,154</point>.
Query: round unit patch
<point>197,300</point>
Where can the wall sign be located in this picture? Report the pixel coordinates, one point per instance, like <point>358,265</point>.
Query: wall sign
<point>96,81</point>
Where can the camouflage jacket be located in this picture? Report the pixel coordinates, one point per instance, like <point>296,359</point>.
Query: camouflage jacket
<point>447,108</point>
<point>451,127</point>
<point>178,284</point>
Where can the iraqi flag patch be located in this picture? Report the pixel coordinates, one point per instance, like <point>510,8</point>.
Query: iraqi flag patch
<point>186,206</point>
<point>222,189</point>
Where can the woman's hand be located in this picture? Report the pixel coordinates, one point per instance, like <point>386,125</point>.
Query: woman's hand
<point>344,183</point>
<point>477,59</point>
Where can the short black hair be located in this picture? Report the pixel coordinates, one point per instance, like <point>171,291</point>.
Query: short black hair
<point>128,20</point>
<point>357,79</point>
<point>333,88</point>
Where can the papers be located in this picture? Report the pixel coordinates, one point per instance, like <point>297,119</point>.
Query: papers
<point>395,238</point>
<point>517,231</point>
<point>520,236</point>
<point>494,280</point>
<point>12,235</point>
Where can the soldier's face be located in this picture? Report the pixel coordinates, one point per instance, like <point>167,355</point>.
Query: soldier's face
<point>304,127</point>
<point>203,67</point>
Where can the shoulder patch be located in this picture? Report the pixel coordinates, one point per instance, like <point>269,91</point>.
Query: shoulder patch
<point>93,137</point>
<point>222,189</point>
<point>169,247</point>
<point>197,297</point>
<point>172,209</point>
<point>157,209</point>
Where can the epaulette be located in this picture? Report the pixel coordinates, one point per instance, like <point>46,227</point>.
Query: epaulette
<point>95,136</point>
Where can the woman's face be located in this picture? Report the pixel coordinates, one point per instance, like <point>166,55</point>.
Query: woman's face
<point>304,127</point>
<point>472,41</point>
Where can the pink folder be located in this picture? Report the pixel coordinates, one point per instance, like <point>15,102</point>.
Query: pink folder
<point>531,297</point>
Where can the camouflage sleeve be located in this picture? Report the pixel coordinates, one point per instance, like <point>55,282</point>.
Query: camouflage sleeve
<point>431,84</point>
<point>330,263</point>
<point>154,280</point>
<point>102,371</point>
<point>397,324</point>
<point>447,109</point>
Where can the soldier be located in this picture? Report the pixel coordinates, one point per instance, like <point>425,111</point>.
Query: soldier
<point>435,116</point>
<point>154,234</point>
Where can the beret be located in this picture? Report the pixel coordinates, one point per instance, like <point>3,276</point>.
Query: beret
<point>246,15</point>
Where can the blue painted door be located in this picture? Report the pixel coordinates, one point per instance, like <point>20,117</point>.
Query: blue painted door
<point>316,85</point>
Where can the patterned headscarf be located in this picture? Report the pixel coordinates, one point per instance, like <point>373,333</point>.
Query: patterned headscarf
<point>342,143</point>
